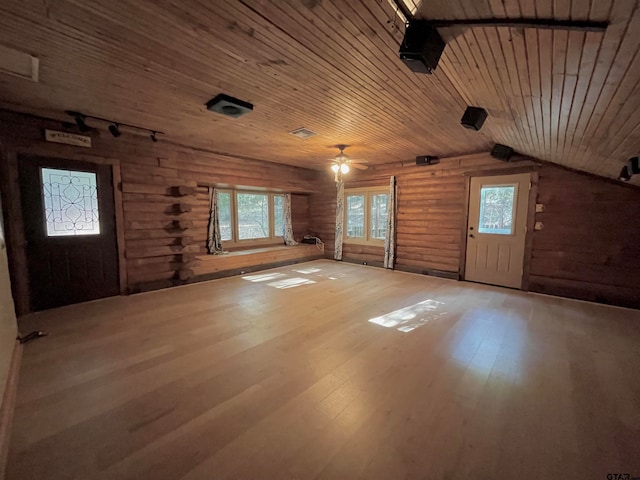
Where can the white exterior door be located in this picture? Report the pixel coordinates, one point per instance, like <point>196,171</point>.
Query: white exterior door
<point>497,229</point>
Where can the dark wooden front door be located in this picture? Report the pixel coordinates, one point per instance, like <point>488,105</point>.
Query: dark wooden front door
<point>70,233</point>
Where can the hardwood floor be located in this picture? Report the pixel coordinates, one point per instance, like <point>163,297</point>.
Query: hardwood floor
<point>331,371</point>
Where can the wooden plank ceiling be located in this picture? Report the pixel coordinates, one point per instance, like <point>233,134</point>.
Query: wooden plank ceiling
<point>332,66</point>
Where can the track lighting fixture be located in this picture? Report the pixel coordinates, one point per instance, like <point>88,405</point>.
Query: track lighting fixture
<point>114,127</point>
<point>630,169</point>
<point>80,120</point>
<point>115,130</point>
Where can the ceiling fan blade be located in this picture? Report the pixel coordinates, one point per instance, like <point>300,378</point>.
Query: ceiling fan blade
<point>358,166</point>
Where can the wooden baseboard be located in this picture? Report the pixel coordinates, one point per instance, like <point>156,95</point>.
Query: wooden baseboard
<point>357,261</point>
<point>7,406</point>
<point>428,271</point>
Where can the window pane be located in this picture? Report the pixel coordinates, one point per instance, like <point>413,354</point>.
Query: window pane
<point>355,216</point>
<point>379,205</point>
<point>496,210</point>
<point>278,213</point>
<point>224,215</point>
<point>253,216</point>
<point>70,202</point>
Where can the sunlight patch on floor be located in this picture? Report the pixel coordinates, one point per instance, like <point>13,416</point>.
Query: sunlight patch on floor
<point>308,271</point>
<point>409,318</point>
<point>263,277</point>
<point>290,282</point>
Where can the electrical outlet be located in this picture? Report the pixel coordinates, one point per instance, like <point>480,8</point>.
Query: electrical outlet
<point>539,207</point>
<point>538,226</point>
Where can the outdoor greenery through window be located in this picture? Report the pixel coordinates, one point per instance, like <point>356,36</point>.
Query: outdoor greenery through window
<point>250,217</point>
<point>366,215</point>
<point>496,209</point>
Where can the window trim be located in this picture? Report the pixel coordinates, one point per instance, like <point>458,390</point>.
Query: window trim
<point>368,192</point>
<point>235,241</point>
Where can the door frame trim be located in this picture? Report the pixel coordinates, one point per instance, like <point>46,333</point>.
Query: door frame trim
<point>531,217</point>
<point>14,219</point>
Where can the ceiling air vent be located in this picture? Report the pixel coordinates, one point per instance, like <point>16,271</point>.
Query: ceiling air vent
<point>229,106</point>
<point>18,63</point>
<point>303,133</point>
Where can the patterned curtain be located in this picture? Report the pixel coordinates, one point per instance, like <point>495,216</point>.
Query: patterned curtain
<point>390,238</point>
<point>288,228</point>
<point>214,243</point>
<point>337,252</point>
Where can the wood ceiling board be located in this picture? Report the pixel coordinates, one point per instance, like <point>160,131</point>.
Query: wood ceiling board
<point>341,90</point>
<point>571,96</point>
<point>568,97</point>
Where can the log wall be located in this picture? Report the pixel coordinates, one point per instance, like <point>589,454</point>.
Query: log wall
<point>585,249</point>
<point>589,246</point>
<point>162,192</point>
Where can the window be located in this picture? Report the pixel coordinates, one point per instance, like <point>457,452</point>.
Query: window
<point>253,215</point>
<point>250,217</point>
<point>378,223</point>
<point>355,216</point>
<point>224,216</point>
<point>278,215</point>
<point>70,201</point>
<point>496,209</point>
<point>366,215</point>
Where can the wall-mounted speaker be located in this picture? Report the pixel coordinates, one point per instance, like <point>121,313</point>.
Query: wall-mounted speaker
<point>474,118</point>
<point>633,165</point>
<point>502,152</point>
<point>421,47</point>
<point>427,160</point>
<point>229,106</point>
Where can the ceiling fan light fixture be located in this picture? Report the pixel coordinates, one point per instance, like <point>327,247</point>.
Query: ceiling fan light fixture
<point>335,167</point>
<point>344,168</point>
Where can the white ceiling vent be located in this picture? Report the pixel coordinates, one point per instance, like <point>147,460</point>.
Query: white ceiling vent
<point>303,133</point>
<point>19,64</point>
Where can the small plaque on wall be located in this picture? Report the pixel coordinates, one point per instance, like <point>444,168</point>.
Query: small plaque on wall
<point>67,138</point>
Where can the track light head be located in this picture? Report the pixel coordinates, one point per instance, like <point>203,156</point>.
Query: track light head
<point>80,120</point>
<point>115,130</point>
<point>633,165</point>
<point>625,174</point>
<point>153,137</point>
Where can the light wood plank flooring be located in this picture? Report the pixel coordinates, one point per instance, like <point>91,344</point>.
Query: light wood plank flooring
<point>331,371</point>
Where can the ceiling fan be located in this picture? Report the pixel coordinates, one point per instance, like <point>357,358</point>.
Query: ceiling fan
<point>342,163</point>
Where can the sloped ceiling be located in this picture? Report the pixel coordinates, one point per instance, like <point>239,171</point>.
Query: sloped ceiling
<point>333,67</point>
